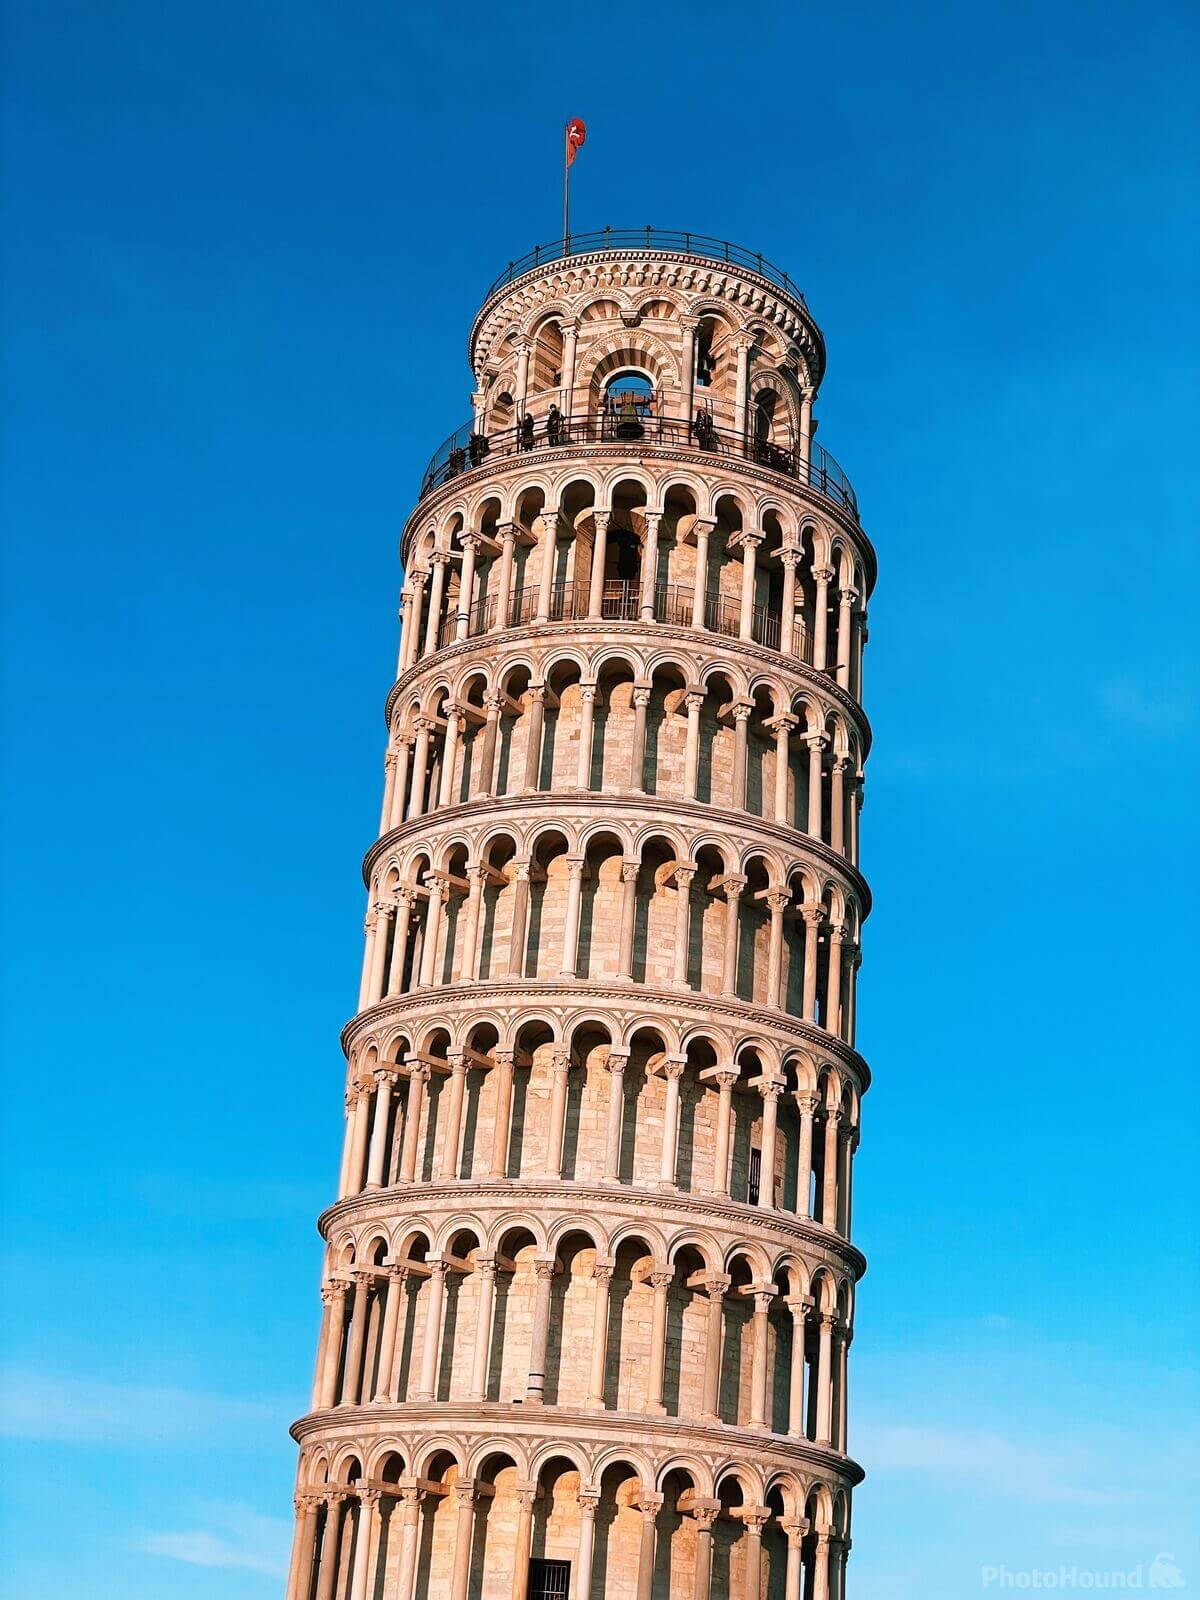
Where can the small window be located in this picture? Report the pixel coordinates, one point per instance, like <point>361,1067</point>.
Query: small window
<point>549,1580</point>
<point>755,1178</point>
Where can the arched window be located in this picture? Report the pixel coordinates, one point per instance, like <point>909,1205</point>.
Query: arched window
<point>765,403</point>
<point>628,402</point>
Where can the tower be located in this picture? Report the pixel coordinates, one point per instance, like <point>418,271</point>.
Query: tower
<point>588,1285</point>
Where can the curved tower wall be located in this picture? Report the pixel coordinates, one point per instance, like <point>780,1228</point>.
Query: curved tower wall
<point>588,1283</point>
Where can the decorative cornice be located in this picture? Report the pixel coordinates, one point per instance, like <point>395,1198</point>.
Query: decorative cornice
<point>648,450</point>
<point>639,998</point>
<point>744,825</point>
<point>625,268</point>
<point>745,1223</point>
<point>489,1417</point>
<point>622,633</point>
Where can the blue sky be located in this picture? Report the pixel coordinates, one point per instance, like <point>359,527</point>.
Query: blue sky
<point>243,247</point>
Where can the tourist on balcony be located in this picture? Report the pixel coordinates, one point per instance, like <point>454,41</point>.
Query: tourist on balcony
<point>527,432</point>
<point>554,422</point>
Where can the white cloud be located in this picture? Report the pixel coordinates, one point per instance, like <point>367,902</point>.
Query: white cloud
<point>44,1405</point>
<point>231,1536</point>
<point>989,1461</point>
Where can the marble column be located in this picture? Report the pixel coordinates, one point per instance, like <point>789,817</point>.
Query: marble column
<point>763,1294</point>
<point>703,1516</point>
<point>599,560</point>
<point>660,1283</point>
<point>694,701</point>
<point>464,1532</point>
<point>570,952</point>
<point>466,588</point>
<point>477,877</point>
<point>733,887</point>
<point>508,544</point>
<point>754,1519</point>
<point>411,1496</point>
<point>356,1348</point>
<point>447,1169</point>
<point>304,1543</point>
<point>397,1282</point>
<point>672,1070</point>
<point>637,747</point>
<point>385,1082</point>
<point>367,1543</point>
<point>483,782</point>
<point>334,1296</point>
<point>587,711</point>
<point>404,753</point>
<point>526,1494</point>
<point>770,1090</point>
<point>502,1113</point>
<point>806,1104</point>
<point>431,1345</point>
<point>418,1077</point>
<point>439,559</point>
<point>846,599</point>
<point>714,1289</point>
<point>629,878</point>
<point>560,1071</point>
<point>649,1505</point>
<point>616,1113</point>
<point>816,743</point>
<point>589,1499</point>
<point>703,530</point>
<point>455,722</point>
<point>741,739</point>
<point>798,1305</point>
<point>685,871</point>
<point>823,576</point>
<point>404,905</point>
<point>520,915</point>
<point>750,543</point>
<point>434,906</point>
<point>824,1380</point>
<point>602,1276</point>
<point>535,1388</point>
<point>327,1570</point>
<point>724,1078</point>
<point>485,1268</point>
<point>533,749</point>
<point>778,901</point>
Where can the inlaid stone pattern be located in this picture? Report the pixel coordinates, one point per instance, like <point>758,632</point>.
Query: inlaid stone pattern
<point>588,1284</point>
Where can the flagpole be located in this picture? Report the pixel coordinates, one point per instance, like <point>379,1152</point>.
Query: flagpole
<point>566,193</point>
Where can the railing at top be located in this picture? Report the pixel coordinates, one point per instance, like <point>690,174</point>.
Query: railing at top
<point>465,449</point>
<point>665,239</point>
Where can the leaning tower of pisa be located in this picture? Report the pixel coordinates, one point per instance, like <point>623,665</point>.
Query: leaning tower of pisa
<point>588,1281</point>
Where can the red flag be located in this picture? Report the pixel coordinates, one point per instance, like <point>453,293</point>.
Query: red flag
<point>576,135</point>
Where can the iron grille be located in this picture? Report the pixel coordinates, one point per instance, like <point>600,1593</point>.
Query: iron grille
<point>549,1580</point>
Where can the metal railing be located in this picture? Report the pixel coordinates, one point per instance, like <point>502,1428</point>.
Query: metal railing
<point>466,449</point>
<point>666,240</point>
<point>620,601</point>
